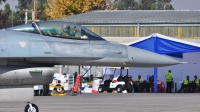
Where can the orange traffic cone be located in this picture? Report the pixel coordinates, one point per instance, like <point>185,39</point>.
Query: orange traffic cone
<point>77,83</point>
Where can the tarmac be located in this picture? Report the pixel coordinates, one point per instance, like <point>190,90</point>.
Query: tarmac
<point>113,102</point>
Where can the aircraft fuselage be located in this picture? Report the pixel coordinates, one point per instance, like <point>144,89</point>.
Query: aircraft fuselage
<point>19,48</point>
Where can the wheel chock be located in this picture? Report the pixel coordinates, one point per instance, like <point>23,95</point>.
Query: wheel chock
<point>58,94</point>
<point>114,91</point>
<point>105,92</point>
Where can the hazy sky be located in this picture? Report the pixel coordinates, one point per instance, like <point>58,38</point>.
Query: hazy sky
<point>12,3</point>
<point>186,4</point>
<point>177,4</point>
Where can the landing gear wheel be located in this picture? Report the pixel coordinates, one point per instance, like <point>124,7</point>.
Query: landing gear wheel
<point>100,89</point>
<point>119,89</point>
<point>31,108</point>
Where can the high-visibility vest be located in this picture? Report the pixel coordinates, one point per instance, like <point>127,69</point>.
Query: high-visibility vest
<point>186,82</point>
<point>196,81</point>
<point>139,80</point>
<point>168,77</point>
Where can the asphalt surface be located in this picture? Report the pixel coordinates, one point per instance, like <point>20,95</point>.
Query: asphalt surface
<point>113,102</point>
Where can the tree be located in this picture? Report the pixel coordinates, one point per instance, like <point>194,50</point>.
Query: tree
<point>109,4</point>
<point>164,5</point>
<point>6,16</point>
<point>41,15</point>
<point>20,13</point>
<point>41,8</point>
<point>125,4</point>
<point>148,4</point>
<point>29,5</point>
<point>7,10</point>
<point>143,5</point>
<point>62,8</point>
<point>134,4</point>
<point>15,16</point>
<point>4,21</point>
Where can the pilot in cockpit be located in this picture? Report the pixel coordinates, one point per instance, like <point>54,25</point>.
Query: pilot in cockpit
<point>66,31</point>
<point>69,32</point>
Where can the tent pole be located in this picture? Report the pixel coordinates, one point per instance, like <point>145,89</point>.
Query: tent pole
<point>155,80</point>
<point>155,69</point>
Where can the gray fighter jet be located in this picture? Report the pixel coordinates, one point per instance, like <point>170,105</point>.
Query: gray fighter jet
<point>29,52</point>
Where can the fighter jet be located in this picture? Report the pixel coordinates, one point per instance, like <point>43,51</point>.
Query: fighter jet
<point>29,52</point>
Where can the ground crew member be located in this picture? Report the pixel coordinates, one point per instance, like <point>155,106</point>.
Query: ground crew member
<point>139,79</point>
<point>185,85</point>
<point>169,79</point>
<point>138,87</point>
<point>195,84</point>
<point>196,80</point>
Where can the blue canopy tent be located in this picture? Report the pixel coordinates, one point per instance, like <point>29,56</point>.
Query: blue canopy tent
<point>165,45</point>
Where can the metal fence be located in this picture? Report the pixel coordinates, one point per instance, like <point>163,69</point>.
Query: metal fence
<point>179,31</point>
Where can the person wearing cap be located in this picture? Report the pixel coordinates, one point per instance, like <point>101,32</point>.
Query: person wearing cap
<point>195,84</point>
<point>185,85</point>
<point>169,79</point>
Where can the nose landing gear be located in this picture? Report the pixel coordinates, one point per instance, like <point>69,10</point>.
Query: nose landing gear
<point>31,108</point>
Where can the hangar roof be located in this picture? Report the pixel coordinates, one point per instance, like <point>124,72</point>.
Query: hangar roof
<point>135,16</point>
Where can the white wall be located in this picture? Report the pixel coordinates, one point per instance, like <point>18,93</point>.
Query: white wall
<point>191,69</point>
<point>177,72</point>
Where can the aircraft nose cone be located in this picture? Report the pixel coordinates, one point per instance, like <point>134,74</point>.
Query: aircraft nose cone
<point>143,58</point>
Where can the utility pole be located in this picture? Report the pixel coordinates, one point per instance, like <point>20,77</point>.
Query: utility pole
<point>12,17</point>
<point>33,15</point>
<point>12,13</point>
<point>35,11</point>
<point>26,16</point>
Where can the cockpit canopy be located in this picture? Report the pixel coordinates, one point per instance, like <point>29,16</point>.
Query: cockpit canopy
<point>58,29</point>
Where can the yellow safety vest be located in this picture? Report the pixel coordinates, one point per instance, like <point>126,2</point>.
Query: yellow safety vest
<point>139,80</point>
<point>196,81</point>
<point>186,82</point>
<point>168,77</point>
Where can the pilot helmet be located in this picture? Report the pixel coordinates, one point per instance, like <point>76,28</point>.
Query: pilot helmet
<point>66,28</point>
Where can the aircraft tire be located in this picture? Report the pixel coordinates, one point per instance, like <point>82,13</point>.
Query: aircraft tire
<point>28,109</point>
